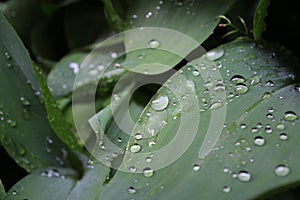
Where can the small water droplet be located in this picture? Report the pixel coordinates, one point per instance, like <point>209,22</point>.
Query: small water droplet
<point>7,56</point>
<point>134,16</point>
<point>135,148</point>
<point>24,101</point>
<point>254,130</point>
<point>254,80</point>
<point>153,44</point>
<point>219,87</point>
<point>196,168</point>
<point>148,15</point>
<point>270,83</point>
<point>266,95</point>
<point>74,67</point>
<point>226,189</point>
<point>236,79</point>
<point>280,127</point>
<point>160,103</point>
<point>138,136</point>
<point>131,190</point>
<point>268,130</point>
<point>259,141</point>
<point>132,169</point>
<point>195,73</point>
<point>241,88</point>
<point>244,176</point>
<point>148,159</point>
<point>102,145</point>
<point>243,126</point>
<point>14,193</point>
<point>290,116</point>
<point>270,116</point>
<point>270,109</point>
<point>215,106</point>
<point>148,172</point>
<point>258,125</point>
<point>282,170</point>
<point>283,136</point>
<point>215,54</point>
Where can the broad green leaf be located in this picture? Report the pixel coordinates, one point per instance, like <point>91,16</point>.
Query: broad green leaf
<point>24,128</point>
<point>45,183</point>
<point>2,191</point>
<point>201,125</point>
<point>177,27</point>
<point>259,25</point>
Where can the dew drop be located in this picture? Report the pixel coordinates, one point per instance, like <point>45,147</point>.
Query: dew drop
<point>215,106</point>
<point>153,44</point>
<point>270,83</point>
<point>290,116</point>
<point>7,56</point>
<point>24,101</point>
<point>102,145</point>
<point>138,136</point>
<point>244,176</point>
<point>268,130</point>
<point>195,73</point>
<point>283,136</point>
<point>160,103</point>
<point>236,79</point>
<point>148,172</point>
<point>148,15</point>
<point>259,141</point>
<point>132,169</point>
<point>75,67</point>
<point>270,116</point>
<point>243,126</point>
<point>266,95</point>
<point>220,87</point>
<point>254,80</point>
<point>131,190</point>
<point>215,54</point>
<point>282,170</point>
<point>196,168</point>
<point>226,189</point>
<point>254,130</point>
<point>241,88</point>
<point>135,148</point>
<point>280,127</point>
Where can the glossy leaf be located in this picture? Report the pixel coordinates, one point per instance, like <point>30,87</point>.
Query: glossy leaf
<point>2,191</point>
<point>220,143</point>
<point>25,131</point>
<point>55,183</point>
<point>259,25</point>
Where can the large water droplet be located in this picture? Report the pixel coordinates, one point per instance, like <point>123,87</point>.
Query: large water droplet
<point>282,170</point>
<point>244,176</point>
<point>259,141</point>
<point>148,172</point>
<point>153,44</point>
<point>241,88</point>
<point>290,116</point>
<point>215,54</point>
<point>135,148</point>
<point>160,103</point>
<point>236,79</point>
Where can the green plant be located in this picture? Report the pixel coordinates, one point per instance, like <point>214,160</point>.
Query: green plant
<point>229,116</point>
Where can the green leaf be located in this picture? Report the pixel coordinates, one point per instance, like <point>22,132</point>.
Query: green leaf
<point>201,124</point>
<point>259,25</point>
<point>46,183</point>
<point>2,191</point>
<point>56,118</point>
<point>175,27</point>
<point>25,132</point>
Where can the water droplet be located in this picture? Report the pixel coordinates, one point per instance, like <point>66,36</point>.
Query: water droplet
<point>282,170</point>
<point>132,169</point>
<point>148,159</point>
<point>226,189</point>
<point>243,126</point>
<point>268,130</point>
<point>215,106</point>
<point>280,127</point>
<point>135,148</point>
<point>259,141</point>
<point>266,95</point>
<point>134,16</point>
<point>244,176</point>
<point>270,116</point>
<point>153,44</point>
<point>51,173</point>
<point>195,73</point>
<point>220,87</point>
<point>148,15</point>
<point>258,125</point>
<point>119,140</point>
<point>102,145</point>
<point>283,136</point>
<point>178,3</point>
<point>254,130</point>
<point>138,136</point>
<point>241,88</point>
<point>270,83</point>
<point>160,103</point>
<point>24,101</point>
<point>75,67</point>
<point>215,54</point>
<point>236,79</point>
<point>270,109</point>
<point>14,193</point>
<point>196,168</point>
<point>113,55</point>
<point>254,80</point>
<point>290,116</point>
<point>131,190</point>
<point>7,56</point>
<point>148,172</point>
